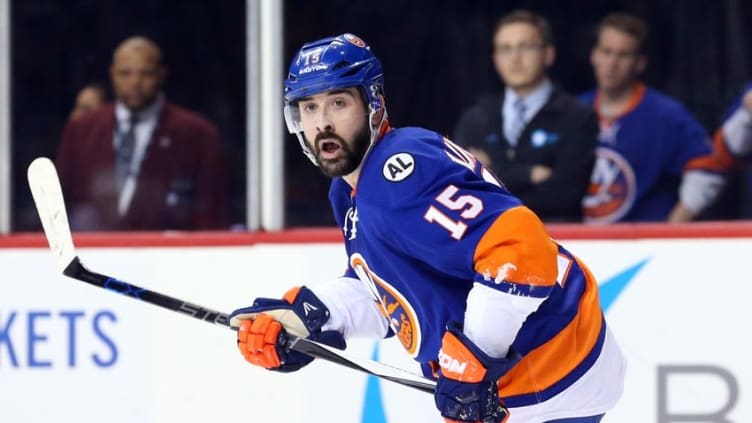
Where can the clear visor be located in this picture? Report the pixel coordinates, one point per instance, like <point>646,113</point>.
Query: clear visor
<point>292,119</point>
<point>295,127</point>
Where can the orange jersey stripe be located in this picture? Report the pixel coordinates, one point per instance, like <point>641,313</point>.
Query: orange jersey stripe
<point>723,158</point>
<point>637,95</point>
<point>517,248</point>
<point>552,361</point>
<point>719,160</point>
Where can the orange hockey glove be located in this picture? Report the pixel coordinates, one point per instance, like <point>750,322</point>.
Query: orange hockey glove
<point>258,339</point>
<point>466,390</point>
<point>263,329</point>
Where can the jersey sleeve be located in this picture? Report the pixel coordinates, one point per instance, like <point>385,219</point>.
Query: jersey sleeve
<point>733,142</point>
<point>353,311</point>
<point>515,271</point>
<point>691,156</point>
<point>737,134</point>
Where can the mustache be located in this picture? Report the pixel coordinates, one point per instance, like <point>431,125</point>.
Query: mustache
<point>328,135</point>
<point>323,135</point>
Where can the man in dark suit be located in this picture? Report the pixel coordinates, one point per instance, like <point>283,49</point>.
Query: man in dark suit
<point>142,163</point>
<point>539,140</point>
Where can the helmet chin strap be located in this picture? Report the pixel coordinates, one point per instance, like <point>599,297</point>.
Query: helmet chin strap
<point>376,130</point>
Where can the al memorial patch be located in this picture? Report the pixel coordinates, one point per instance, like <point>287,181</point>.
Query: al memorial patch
<point>398,167</point>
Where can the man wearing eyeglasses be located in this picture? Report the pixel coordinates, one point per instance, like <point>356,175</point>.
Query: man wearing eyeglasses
<point>538,140</point>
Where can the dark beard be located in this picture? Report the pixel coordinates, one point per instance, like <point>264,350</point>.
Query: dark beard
<point>352,157</point>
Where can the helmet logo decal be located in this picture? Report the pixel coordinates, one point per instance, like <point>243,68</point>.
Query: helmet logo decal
<point>355,40</point>
<point>311,61</point>
<point>312,68</point>
<point>311,56</point>
<point>398,167</point>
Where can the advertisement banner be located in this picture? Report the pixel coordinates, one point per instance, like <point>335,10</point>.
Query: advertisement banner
<point>75,353</point>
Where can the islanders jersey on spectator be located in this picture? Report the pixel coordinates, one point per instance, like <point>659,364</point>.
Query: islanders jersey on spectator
<point>733,141</point>
<point>427,223</point>
<point>641,157</point>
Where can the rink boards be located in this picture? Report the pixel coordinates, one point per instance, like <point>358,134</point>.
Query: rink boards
<point>74,353</point>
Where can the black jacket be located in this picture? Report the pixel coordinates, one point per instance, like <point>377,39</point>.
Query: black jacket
<point>563,135</point>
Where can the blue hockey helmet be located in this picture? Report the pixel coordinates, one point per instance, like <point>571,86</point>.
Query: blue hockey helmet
<point>339,62</point>
<point>335,62</point>
<point>332,63</point>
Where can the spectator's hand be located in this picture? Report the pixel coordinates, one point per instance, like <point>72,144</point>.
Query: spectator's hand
<point>747,101</point>
<point>539,173</point>
<point>481,155</point>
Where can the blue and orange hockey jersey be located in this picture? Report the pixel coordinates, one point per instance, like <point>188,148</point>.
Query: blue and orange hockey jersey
<point>426,224</point>
<point>641,157</point>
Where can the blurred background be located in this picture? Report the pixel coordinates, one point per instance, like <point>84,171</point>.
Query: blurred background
<point>436,56</point>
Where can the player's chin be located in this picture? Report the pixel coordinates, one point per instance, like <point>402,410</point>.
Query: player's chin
<point>339,166</point>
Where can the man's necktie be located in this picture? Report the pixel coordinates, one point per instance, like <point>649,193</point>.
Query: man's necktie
<point>518,121</point>
<point>125,152</point>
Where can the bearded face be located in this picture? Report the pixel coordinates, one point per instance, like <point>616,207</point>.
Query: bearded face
<point>338,157</point>
<point>336,130</point>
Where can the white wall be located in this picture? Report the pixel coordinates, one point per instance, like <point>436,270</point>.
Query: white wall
<point>686,306</point>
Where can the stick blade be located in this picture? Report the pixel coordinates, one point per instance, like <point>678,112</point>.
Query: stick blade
<point>48,197</point>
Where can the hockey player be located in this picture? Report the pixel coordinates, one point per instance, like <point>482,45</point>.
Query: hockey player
<point>441,255</point>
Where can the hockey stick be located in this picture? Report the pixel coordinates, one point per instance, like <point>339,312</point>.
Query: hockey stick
<point>48,197</point>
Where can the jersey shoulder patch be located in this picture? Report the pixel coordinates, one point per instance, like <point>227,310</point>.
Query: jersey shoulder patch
<point>398,167</point>
<point>405,166</point>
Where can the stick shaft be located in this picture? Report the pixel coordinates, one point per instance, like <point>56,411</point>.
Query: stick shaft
<point>78,271</point>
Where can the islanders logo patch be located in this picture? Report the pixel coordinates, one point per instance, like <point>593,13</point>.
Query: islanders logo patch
<point>392,304</point>
<point>612,188</point>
